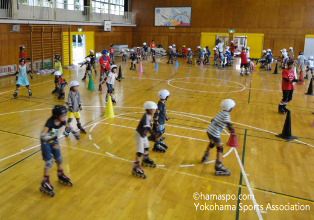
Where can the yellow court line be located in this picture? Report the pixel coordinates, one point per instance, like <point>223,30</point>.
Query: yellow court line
<point>197,176</point>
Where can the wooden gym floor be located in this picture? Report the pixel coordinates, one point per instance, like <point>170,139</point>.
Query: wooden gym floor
<point>279,172</point>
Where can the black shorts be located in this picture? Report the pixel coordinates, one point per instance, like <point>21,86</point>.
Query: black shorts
<point>268,61</point>
<point>287,95</point>
<point>213,139</point>
<point>244,65</point>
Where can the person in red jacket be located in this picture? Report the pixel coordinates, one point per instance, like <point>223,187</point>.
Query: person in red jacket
<point>184,51</point>
<point>244,62</point>
<point>152,44</point>
<point>111,51</point>
<point>104,68</point>
<point>288,78</point>
<point>22,53</point>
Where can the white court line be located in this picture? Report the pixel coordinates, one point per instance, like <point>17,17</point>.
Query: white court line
<point>256,206</point>
<point>186,165</point>
<point>145,78</point>
<point>212,161</point>
<point>31,110</point>
<point>96,146</point>
<point>111,155</point>
<point>90,137</point>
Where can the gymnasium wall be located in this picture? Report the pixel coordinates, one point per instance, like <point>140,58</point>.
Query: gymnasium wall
<point>284,23</point>
<point>47,40</point>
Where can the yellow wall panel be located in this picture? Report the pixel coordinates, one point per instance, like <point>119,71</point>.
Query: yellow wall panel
<point>65,49</point>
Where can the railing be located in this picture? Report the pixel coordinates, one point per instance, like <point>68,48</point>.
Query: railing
<point>55,11</point>
<point>5,9</point>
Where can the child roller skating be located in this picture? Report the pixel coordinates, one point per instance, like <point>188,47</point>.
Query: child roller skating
<point>123,52</point>
<point>88,67</point>
<point>217,125</point>
<point>50,148</point>
<point>60,85</point>
<point>269,59</point>
<point>104,68</point>
<point>138,55</point>
<point>111,52</point>
<point>170,55</point>
<point>74,108</point>
<point>244,62</point>
<point>189,56</point>
<point>92,61</point>
<point>207,56</point>
<point>160,119</point>
<point>57,67</point>
<point>288,78</point>
<point>142,144</point>
<point>133,60</point>
<point>22,79</point>
<point>153,54</point>
<point>216,56</point>
<point>110,79</point>
<point>145,51</point>
<point>175,52</point>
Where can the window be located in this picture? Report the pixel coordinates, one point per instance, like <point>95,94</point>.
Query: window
<point>75,5</point>
<point>39,3</point>
<point>100,6</point>
<point>117,7</point>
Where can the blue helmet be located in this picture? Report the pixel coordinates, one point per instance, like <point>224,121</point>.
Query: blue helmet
<point>104,51</point>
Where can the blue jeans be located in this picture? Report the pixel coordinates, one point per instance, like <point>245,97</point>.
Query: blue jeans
<point>161,129</point>
<point>47,150</point>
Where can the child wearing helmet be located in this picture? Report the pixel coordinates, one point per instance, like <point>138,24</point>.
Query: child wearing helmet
<point>111,52</point>
<point>189,56</point>
<point>200,54</point>
<point>288,77</point>
<point>60,85</point>
<point>104,68</point>
<point>247,52</point>
<point>207,55</point>
<point>74,108</point>
<point>22,78</point>
<point>88,69</point>
<point>174,49</point>
<point>160,119</point>
<point>92,60</point>
<point>170,55</point>
<point>217,125</point>
<point>110,79</point>
<point>216,56</point>
<point>50,148</point>
<point>123,52</point>
<point>310,66</point>
<point>58,65</point>
<point>285,58</point>
<point>291,53</point>
<point>244,62</point>
<point>133,57</point>
<point>184,51</point>
<point>138,54</point>
<point>145,51</point>
<point>301,62</point>
<point>269,59</point>
<point>141,141</point>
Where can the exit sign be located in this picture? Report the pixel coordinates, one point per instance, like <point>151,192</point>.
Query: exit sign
<point>80,29</point>
<point>231,31</point>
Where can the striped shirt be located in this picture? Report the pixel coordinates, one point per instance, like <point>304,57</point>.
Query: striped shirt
<point>219,123</point>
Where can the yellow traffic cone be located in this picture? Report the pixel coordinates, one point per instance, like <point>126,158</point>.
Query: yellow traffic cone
<point>109,109</point>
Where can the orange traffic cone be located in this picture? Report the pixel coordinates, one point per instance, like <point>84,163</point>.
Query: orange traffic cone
<point>233,140</point>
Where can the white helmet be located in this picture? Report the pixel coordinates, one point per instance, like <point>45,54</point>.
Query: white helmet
<point>189,48</point>
<point>170,47</point>
<point>269,50</point>
<point>144,43</point>
<point>132,50</point>
<point>227,47</point>
<point>198,47</point>
<point>91,51</point>
<point>74,83</point>
<point>87,59</point>
<point>173,45</point>
<point>57,73</point>
<point>284,49</point>
<point>113,66</point>
<point>138,48</point>
<point>311,57</point>
<point>264,51</point>
<point>150,105</point>
<point>214,48</point>
<point>204,49</point>
<point>163,94</point>
<point>227,104</point>
<point>290,48</point>
<point>231,41</point>
<point>248,60</point>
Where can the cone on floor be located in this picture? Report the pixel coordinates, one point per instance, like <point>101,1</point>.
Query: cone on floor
<point>90,82</point>
<point>120,73</point>
<point>301,79</point>
<point>233,140</point>
<point>176,64</point>
<point>286,131</point>
<point>310,89</point>
<point>141,67</point>
<point>109,109</point>
<point>276,69</point>
<point>156,66</point>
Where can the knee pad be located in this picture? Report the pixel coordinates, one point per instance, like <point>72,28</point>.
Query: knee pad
<point>146,149</point>
<point>69,120</point>
<point>48,163</point>
<point>211,145</point>
<point>139,154</point>
<point>220,149</point>
<point>68,130</point>
<point>59,160</point>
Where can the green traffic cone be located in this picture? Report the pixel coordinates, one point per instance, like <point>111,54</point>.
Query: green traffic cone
<point>90,83</point>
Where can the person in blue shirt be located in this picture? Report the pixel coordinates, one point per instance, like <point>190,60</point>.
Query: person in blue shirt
<point>207,56</point>
<point>269,59</point>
